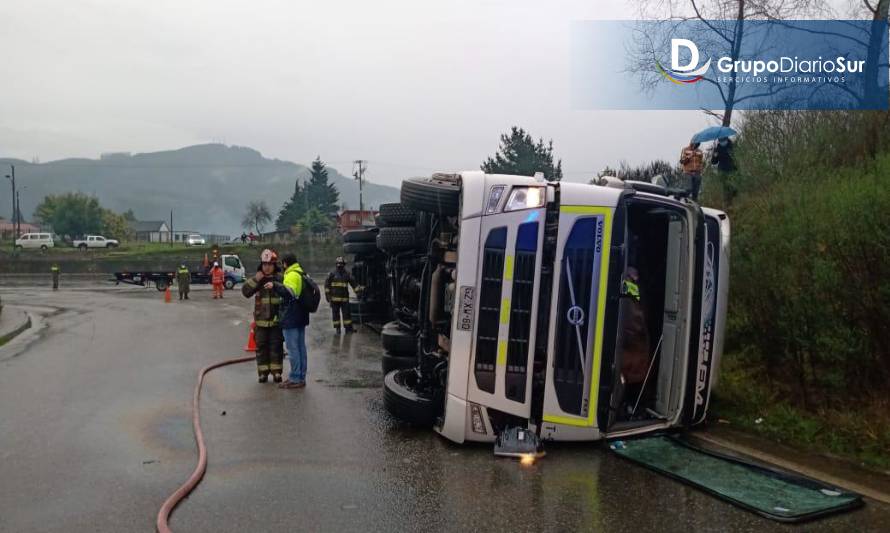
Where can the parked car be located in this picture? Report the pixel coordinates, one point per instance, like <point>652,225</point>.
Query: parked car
<point>577,311</point>
<point>35,240</point>
<point>195,240</point>
<point>95,241</point>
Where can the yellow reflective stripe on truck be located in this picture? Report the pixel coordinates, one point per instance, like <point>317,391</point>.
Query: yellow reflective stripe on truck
<point>606,213</point>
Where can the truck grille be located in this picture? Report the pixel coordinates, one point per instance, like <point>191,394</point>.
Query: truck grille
<point>489,309</point>
<point>520,311</point>
<point>575,314</point>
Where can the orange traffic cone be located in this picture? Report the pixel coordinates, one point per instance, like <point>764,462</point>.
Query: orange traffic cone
<point>167,296</point>
<point>251,339</point>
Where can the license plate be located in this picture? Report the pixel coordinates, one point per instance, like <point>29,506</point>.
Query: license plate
<point>465,316</point>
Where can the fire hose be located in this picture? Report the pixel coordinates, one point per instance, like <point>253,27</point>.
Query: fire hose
<point>173,500</point>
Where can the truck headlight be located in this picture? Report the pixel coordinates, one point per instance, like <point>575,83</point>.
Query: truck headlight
<point>494,198</point>
<point>476,418</point>
<point>525,198</point>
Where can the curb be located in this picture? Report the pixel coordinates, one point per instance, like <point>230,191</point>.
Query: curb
<point>6,337</point>
<point>842,482</point>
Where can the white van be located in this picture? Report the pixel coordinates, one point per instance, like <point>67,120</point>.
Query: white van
<point>35,240</point>
<point>578,311</point>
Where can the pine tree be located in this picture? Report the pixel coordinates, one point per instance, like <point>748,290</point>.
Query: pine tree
<point>322,195</point>
<point>519,154</point>
<point>293,209</point>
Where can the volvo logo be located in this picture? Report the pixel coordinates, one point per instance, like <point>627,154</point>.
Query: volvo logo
<point>575,315</point>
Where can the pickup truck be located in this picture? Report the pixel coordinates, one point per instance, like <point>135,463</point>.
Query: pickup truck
<point>95,241</point>
<point>232,267</point>
<point>575,311</point>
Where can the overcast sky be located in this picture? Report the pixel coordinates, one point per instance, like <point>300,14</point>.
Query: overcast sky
<point>412,86</point>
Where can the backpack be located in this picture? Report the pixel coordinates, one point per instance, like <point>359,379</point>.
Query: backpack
<point>310,296</point>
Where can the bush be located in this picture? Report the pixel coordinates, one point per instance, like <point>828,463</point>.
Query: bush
<point>811,281</point>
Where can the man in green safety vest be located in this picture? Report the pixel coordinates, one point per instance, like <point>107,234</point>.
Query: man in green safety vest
<point>55,270</point>
<point>183,280</point>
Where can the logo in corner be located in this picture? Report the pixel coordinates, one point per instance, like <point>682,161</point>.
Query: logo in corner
<point>686,73</point>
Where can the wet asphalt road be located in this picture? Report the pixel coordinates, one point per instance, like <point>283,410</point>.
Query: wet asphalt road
<point>95,432</point>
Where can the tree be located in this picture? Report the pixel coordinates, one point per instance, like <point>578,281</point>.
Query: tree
<point>321,195</point>
<point>71,214</point>
<point>722,23</point>
<point>257,216</point>
<point>116,226</point>
<point>315,221</point>
<point>519,154</point>
<point>129,215</point>
<point>293,209</point>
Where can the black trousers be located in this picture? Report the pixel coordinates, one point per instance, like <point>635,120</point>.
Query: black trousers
<point>341,307</point>
<point>269,350</point>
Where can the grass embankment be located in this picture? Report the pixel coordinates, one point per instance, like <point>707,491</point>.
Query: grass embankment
<point>747,400</point>
<point>808,331</point>
<point>153,256</point>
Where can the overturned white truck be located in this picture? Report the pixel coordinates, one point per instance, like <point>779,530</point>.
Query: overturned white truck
<point>575,311</point>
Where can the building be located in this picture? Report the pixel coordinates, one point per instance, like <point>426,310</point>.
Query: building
<point>151,230</point>
<point>350,219</point>
<point>7,229</point>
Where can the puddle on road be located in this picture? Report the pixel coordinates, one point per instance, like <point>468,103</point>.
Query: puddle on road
<point>163,431</point>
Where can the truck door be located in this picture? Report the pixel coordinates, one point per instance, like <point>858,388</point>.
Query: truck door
<point>508,284</point>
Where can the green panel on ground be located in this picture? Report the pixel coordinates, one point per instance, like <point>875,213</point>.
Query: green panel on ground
<point>778,495</point>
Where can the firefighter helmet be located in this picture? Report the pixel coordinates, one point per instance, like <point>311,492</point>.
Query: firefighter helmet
<point>268,256</point>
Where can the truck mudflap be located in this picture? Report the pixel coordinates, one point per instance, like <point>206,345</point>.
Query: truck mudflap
<point>762,489</point>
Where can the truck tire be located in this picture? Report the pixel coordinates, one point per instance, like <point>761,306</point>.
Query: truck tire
<point>359,247</point>
<point>418,408</point>
<point>396,239</point>
<point>360,235</point>
<point>229,284</point>
<point>432,196</point>
<point>396,215</point>
<point>82,246</point>
<point>398,342</point>
<point>161,285</point>
<point>380,223</point>
<point>394,362</point>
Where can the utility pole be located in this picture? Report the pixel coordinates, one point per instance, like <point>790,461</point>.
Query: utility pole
<point>362,165</point>
<point>171,228</point>
<point>18,209</point>
<point>15,211</point>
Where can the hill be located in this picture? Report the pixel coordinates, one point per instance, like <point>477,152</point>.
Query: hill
<point>207,186</point>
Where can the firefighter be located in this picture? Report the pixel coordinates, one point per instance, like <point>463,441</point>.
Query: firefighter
<point>183,281</point>
<point>55,270</point>
<point>336,292</point>
<point>268,334</point>
<point>217,278</point>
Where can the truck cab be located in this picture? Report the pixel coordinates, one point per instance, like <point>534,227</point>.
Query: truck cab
<point>576,311</point>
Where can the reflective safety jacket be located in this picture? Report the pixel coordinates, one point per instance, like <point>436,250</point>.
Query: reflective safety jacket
<point>266,303</point>
<point>336,287</point>
<point>217,276</point>
<point>183,277</point>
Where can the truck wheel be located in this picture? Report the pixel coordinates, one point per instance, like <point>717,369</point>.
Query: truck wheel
<point>404,402</point>
<point>359,247</point>
<point>360,235</point>
<point>380,223</point>
<point>111,245</point>
<point>229,284</point>
<point>432,196</point>
<point>398,342</point>
<point>43,247</point>
<point>161,285</point>
<point>394,362</point>
<point>82,247</point>
<point>396,215</point>
<point>397,239</point>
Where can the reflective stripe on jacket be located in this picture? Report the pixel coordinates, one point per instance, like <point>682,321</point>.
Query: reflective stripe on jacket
<point>336,286</point>
<point>267,303</point>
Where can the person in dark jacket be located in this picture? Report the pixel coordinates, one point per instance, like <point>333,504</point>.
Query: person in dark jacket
<point>294,320</point>
<point>722,155</point>
<point>183,281</point>
<point>266,308</point>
